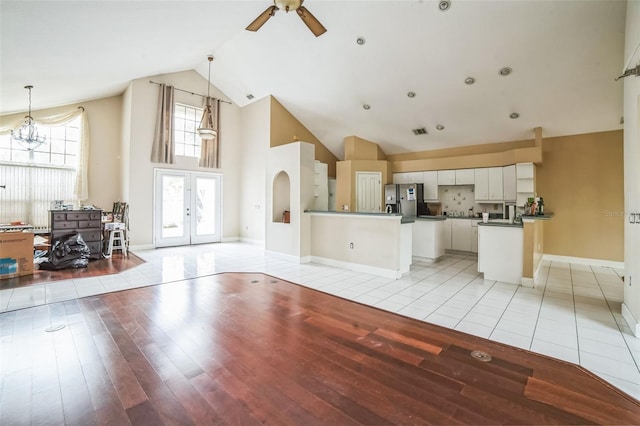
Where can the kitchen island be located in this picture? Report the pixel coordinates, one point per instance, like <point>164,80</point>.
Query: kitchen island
<point>511,252</point>
<point>375,243</point>
<point>428,237</point>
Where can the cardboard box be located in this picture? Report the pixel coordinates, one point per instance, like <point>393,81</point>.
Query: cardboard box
<point>16,254</point>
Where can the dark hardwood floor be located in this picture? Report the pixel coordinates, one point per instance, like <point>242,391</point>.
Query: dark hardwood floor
<point>117,263</point>
<point>251,349</point>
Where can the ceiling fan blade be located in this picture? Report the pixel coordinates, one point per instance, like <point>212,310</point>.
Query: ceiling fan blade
<point>314,25</point>
<point>260,20</point>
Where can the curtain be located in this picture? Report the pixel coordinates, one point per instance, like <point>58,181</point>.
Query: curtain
<point>210,148</point>
<point>163,150</point>
<point>81,187</point>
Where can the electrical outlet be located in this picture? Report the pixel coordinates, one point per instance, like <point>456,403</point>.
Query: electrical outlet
<point>629,280</point>
<point>351,246</point>
<point>246,228</point>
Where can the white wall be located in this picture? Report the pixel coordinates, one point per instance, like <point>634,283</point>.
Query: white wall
<point>631,306</point>
<point>143,105</point>
<point>297,160</point>
<point>254,147</point>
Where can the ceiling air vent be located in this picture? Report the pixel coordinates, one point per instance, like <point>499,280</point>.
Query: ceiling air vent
<point>420,131</point>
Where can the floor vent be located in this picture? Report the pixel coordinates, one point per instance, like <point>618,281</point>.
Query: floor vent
<point>481,356</point>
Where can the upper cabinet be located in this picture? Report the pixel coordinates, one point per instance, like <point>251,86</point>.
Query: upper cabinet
<point>509,182</point>
<point>446,177</point>
<point>495,184</point>
<point>430,185</point>
<point>465,177</point>
<point>488,184</point>
<point>482,184</point>
<point>408,177</point>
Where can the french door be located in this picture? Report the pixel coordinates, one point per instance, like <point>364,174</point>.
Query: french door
<point>187,208</point>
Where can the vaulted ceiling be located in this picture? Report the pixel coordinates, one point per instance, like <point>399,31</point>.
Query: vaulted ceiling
<point>564,56</point>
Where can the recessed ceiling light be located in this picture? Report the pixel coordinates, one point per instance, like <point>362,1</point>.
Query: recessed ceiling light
<point>444,5</point>
<point>249,96</point>
<point>469,80</point>
<point>361,41</point>
<point>366,106</point>
<point>411,94</point>
<point>505,71</point>
<point>514,115</point>
<point>440,127</point>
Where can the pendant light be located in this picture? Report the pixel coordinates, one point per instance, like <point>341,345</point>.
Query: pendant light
<point>27,135</point>
<point>206,129</point>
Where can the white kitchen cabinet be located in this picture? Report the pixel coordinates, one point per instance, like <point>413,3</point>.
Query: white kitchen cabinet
<point>461,234</point>
<point>400,177</point>
<point>481,184</point>
<point>465,177</point>
<point>321,187</point>
<point>496,192</point>
<point>525,182</point>
<point>430,180</point>
<point>474,238</point>
<point>408,177</point>
<point>446,177</point>
<point>416,177</point>
<point>447,233</point>
<point>509,182</point>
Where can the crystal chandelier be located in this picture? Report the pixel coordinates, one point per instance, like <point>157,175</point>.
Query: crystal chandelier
<point>206,130</point>
<point>27,135</point>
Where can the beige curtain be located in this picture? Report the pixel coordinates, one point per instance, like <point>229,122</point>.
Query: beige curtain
<point>163,150</point>
<point>210,148</point>
<point>81,190</point>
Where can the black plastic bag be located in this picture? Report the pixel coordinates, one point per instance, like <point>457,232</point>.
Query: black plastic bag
<point>69,251</point>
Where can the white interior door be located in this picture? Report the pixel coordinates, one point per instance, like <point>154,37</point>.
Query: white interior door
<point>187,208</point>
<point>368,191</point>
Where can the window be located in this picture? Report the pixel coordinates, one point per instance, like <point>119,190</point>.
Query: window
<point>34,179</point>
<point>186,121</point>
<point>60,149</point>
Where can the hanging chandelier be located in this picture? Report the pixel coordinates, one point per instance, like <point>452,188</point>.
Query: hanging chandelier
<point>206,129</point>
<point>27,135</point>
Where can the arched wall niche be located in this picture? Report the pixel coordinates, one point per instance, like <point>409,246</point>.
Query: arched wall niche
<point>281,196</point>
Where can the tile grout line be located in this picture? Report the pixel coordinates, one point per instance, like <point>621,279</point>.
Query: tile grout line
<point>614,319</point>
<point>575,314</point>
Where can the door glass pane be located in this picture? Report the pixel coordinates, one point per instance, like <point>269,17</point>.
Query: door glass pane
<point>205,206</point>
<point>172,206</point>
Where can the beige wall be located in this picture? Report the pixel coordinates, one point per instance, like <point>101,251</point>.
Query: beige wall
<point>533,234</point>
<point>346,182</point>
<point>104,120</point>
<point>581,181</point>
<point>285,128</point>
<point>356,148</point>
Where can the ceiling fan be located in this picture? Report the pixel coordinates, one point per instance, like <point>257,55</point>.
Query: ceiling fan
<point>288,5</point>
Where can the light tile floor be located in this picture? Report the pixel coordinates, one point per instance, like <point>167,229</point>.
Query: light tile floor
<point>573,313</point>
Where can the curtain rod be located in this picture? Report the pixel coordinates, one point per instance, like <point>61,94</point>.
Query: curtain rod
<point>189,92</point>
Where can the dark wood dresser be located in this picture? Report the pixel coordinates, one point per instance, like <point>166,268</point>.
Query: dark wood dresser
<point>85,222</point>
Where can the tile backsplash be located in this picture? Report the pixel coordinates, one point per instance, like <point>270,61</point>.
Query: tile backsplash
<point>459,199</point>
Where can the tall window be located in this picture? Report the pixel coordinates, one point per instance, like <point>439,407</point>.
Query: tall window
<point>34,179</point>
<point>186,121</point>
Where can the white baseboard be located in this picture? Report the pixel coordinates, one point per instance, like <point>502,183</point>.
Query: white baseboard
<point>632,322</point>
<point>357,267</point>
<point>141,247</point>
<point>252,241</point>
<point>229,239</point>
<point>528,282</point>
<point>288,257</point>
<point>583,261</point>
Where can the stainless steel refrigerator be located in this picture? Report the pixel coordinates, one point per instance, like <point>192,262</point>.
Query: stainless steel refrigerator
<point>407,199</point>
